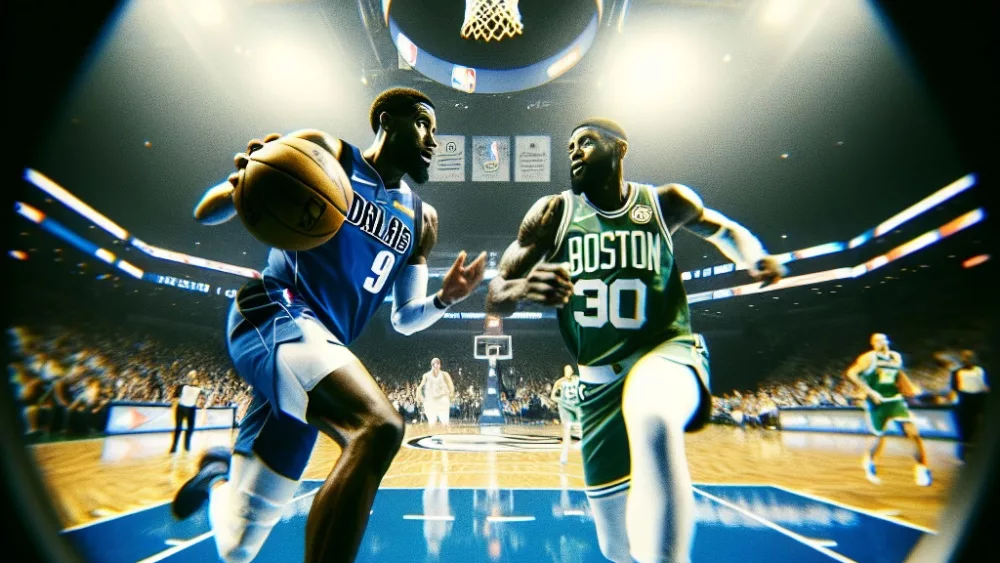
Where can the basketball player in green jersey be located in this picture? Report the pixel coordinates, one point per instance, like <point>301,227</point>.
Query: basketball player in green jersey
<point>879,373</point>
<point>603,254</point>
<point>566,393</point>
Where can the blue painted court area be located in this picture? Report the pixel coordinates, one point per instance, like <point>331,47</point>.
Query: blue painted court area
<point>737,523</point>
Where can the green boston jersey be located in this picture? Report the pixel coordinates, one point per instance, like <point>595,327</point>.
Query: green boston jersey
<point>628,291</point>
<point>882,374</point>
<point>570,393</point>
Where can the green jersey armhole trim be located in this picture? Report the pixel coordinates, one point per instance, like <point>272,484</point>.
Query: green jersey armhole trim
<point>653,196</point>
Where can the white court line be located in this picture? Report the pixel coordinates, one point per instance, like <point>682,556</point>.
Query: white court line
<point>115,516</point>
<point>428,517</point>
<point>815,544</point>
<point>510,518</point>
<point>177,548</point>
<point>873,514</point>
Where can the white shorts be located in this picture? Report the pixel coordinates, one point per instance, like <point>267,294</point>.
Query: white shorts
<point>303,364</point>
<point>437,409</point>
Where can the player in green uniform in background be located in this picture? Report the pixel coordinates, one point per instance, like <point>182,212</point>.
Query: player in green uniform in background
<point>879,373</point>
<point>602,253</point>
<point>566,393</point>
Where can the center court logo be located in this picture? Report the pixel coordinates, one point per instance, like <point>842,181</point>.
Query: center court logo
<point>487,443</point>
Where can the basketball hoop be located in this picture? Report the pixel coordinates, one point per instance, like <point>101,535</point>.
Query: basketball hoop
<point>491,19</point>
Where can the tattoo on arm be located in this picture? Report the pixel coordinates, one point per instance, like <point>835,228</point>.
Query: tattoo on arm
<point>535,240</point>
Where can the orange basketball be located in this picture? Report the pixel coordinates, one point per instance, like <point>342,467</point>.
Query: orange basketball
<point>293,195</point>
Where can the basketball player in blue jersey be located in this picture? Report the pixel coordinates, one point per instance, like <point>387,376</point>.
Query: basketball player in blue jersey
<point>603,254</point>
<point>288,334</point>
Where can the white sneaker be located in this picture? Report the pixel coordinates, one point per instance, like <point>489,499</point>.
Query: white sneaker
<point>922,475</point>
<point>870,471</point>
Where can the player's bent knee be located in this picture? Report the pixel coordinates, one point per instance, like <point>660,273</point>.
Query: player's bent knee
<point>385,432</point>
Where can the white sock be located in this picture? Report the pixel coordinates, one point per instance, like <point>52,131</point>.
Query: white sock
<point>243,511</point>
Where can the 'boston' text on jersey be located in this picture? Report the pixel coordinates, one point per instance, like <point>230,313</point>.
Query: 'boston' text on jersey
<point>613,250</point>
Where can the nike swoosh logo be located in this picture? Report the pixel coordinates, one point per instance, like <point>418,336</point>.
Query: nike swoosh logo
<point>363,181</point>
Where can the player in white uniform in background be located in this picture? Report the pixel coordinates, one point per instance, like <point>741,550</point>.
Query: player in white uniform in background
<point>436,391</point>
<point>566,394</point>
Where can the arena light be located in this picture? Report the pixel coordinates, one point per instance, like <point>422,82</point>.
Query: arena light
<point>105,255</point>
<point>207,13</point>
<point>292,72</point>
<point>61,194</point>
<point>130,269</point>
<point>940,196</point>
<point>54,227</point>
<point>923,241</point>
<point>182,258</point>
<point>779,13</point>
<point>48,186</point>
<point>975,261</point>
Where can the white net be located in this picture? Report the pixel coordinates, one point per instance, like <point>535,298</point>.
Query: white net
<point>491,20</point>
<point>492,353</point>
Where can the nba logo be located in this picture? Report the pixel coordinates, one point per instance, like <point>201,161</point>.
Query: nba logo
<point>492,162</point>
<point>407,50</point>
<point>463,79</point>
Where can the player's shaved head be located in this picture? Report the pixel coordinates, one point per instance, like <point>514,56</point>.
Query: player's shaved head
<point>397,102</point>
<point>879,339</point>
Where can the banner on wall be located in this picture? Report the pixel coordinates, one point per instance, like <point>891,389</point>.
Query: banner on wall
<point>448,164</point>
<point>931,422</point>
<point>533,158</point>
<point>491,159</point>
<point>130,418</point>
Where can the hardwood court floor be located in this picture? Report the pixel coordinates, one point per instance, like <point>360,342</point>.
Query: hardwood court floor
<point>91,479</point>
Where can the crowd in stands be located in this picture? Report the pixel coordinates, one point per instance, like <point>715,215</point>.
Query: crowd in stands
<point>64,377</point>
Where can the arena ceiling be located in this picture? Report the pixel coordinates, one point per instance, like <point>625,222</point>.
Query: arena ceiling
<point>802,119</point>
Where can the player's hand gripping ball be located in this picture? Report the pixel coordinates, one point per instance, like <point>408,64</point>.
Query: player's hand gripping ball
<point>290,193</point>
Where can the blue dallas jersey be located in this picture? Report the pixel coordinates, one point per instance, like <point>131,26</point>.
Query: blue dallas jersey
<point>345,280</point>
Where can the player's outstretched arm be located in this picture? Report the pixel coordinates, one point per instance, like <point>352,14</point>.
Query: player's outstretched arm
<point>521,275</point>
<point>217,206</point>
<point>412,309</point>
<point>682,207</point>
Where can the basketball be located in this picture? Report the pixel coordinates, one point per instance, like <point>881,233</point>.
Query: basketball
<point>293,194</point>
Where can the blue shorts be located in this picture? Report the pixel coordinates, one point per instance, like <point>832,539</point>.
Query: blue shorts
<point>280,348</point>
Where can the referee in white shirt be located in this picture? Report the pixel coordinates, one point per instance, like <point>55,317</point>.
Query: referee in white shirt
<point>968,390</point>
<point>185,403</point>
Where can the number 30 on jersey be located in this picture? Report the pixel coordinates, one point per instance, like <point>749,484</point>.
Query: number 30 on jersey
<point>604,303</point>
